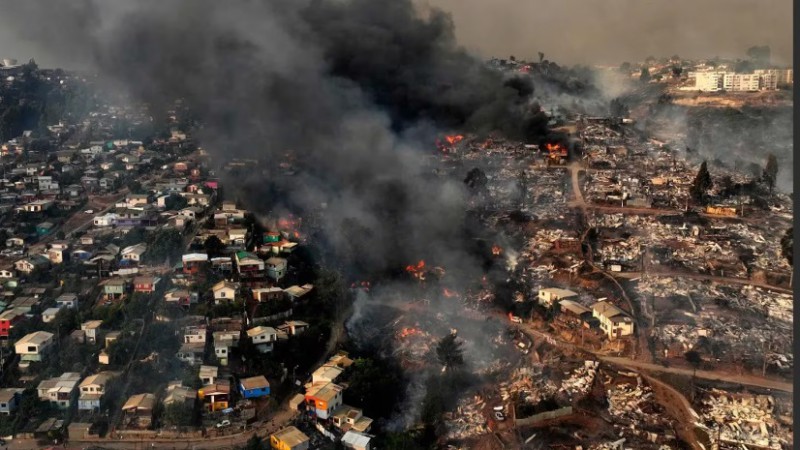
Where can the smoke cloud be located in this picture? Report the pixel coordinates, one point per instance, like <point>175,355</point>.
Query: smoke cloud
<point>613,31</point>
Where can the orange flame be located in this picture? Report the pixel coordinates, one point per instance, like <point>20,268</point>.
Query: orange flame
<point>497,250</point>
<point>406,332</point>
<point>454,139</point>
<point>416,268</point>
<point>556,150</point>
<point>448,293</point>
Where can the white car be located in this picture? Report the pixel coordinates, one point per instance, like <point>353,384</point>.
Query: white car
<point>89,211</point>
<point>224,423</point>
<point>499,416</point>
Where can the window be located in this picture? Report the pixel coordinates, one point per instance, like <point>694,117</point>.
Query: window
<point>32,348</point>
<point>3,405</point>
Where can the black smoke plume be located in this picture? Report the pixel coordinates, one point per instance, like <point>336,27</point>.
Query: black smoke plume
<point>355,90</point>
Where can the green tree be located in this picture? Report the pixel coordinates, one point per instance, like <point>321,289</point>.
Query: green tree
<point>770,175</point>
<point>178,414</point>
<point>214,246</point>
<point>701,184</point>
<point>164,244</point>
<point>644,76</point>
<point>449,352</point>
<point>175,202</point>
<point>676,71</point>
<point>135,187</point>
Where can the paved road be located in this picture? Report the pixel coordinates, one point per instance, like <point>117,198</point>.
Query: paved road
<point>748,380</point>
<point>700,276</point>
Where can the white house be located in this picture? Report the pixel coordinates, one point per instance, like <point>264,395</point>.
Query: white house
<point>263,338</point>
<point>9,400</point>
<point>33,346</point>
<point>106,220</point>
<point>224,291</point>
<point>49,314</point>
<point>59,390</point>
<point>613,321</point>
<point>92,390</point>
<point>547,296</point>
<point>356,441</point>
<point>134,252</point>
<point>92,328</point>
<point>67,300</point>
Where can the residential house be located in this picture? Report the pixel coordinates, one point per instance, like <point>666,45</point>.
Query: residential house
<point>37,206</point>
<point>263,338</point>
<point>49,314</point>
<point>289,438</point>
<point>92,389</point>
<point>297,292</point>
<point>323,398</point>
<point>224,291</point>
<point>67,300</point>
<point>293,327</point>
<point>268,294</point>
<point>237,236</point>
<point>106,220</point>
<point>249,267</point>
<point>276,268</point>
<point>254,387</point>
<point>547,296</point>
<point>216,396</point>
<point>8,318</point>
<point>15,241</point>
<point>613,321</point>
<point>59,390</point>
<point>139,410</point>
<point>57,255</point>
<point>177,393</point>
<point>92,330</point>
<point>134,252</point>
<point>114,288</point>
<point>9,400</point>
<point>134,200</point>
<point>356,441</point>
<point>327,373</point>
<point>194,263</point>
<point>31,263</point>
<point>208,374</point>
<point>191,352</point>
<point>348,418</point>
<point>145,285</point>
<point>573,312</point>
<point>224,341</point>
<point>44,228</point>
<point>180,297</point>
<point>195,334</point>
<point>34,346</point>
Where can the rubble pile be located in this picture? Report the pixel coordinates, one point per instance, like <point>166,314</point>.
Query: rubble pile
<point>580,381</point>
<point>744,420</point>
<point>467,421</point>
<point>636,414</point>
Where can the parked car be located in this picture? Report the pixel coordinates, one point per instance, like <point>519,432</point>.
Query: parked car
<point>224,423</point>
<point>516,319</point>
<point>89,211</point>
<point>499,416</point>
<point>498,408</point>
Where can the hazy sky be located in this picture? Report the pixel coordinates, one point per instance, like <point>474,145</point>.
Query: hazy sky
<point>582,31</point>
<point>612,31</point>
